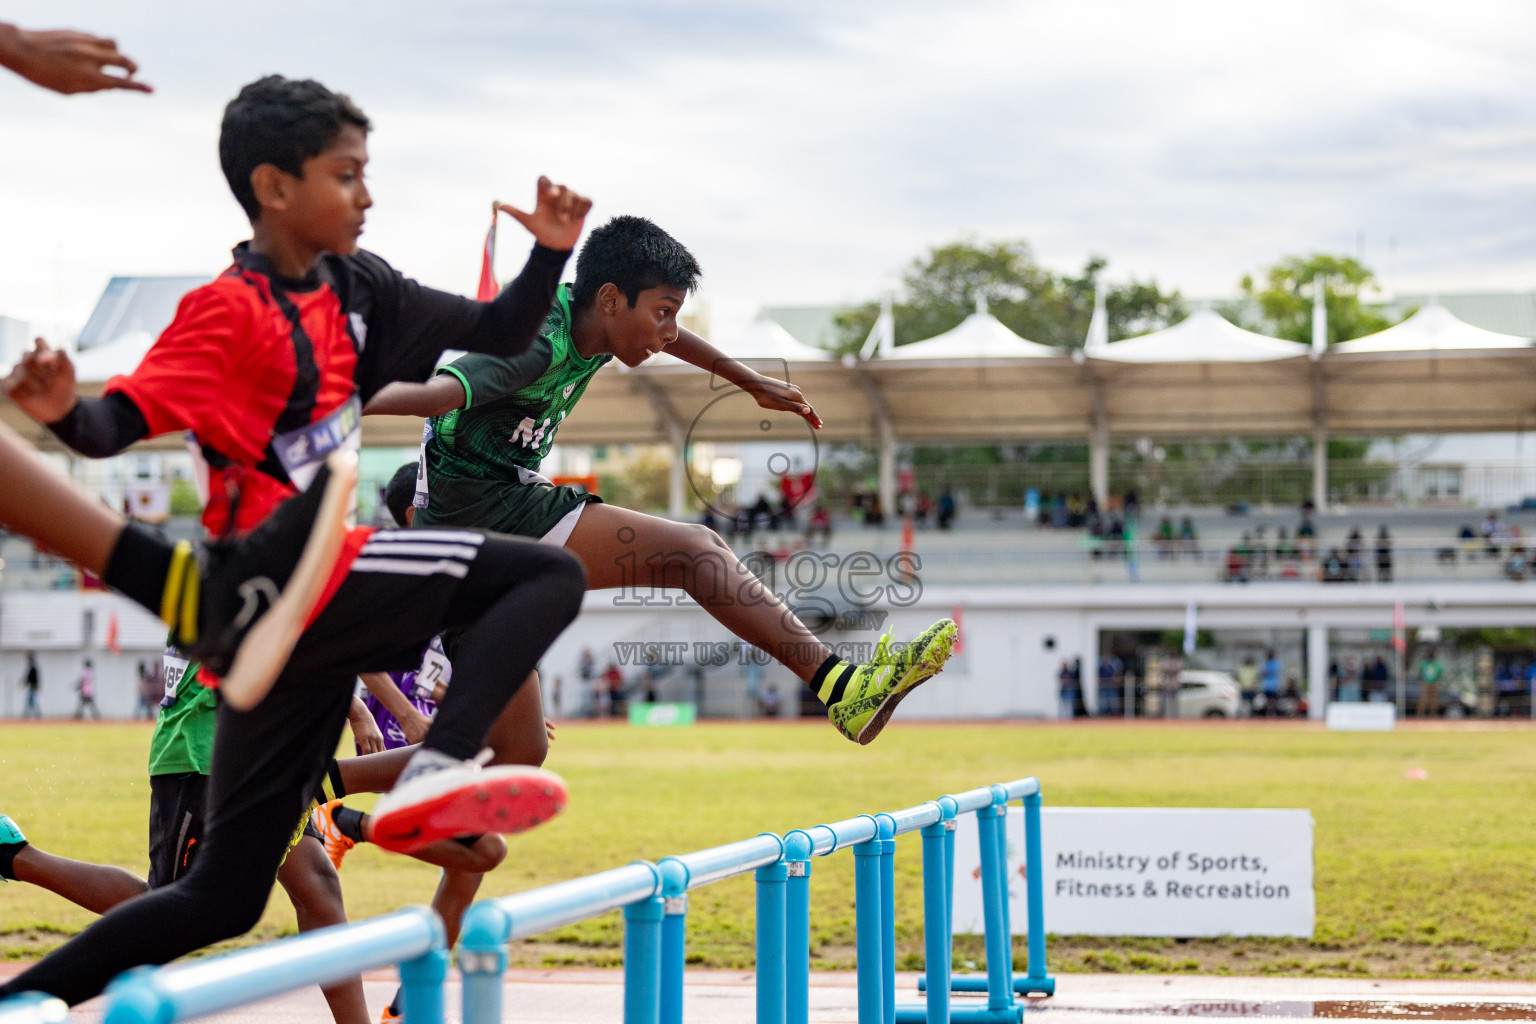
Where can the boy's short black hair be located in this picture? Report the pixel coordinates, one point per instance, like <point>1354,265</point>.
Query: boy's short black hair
<point>400,492</point>
<point>633,254</point>
<point>282,122</point>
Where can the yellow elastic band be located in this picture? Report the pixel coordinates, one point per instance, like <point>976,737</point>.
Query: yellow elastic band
<point>181,554</point>
<point>188,630</point>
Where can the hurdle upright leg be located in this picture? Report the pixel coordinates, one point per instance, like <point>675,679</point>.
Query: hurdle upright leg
<point>797,928</point>
<point>868,936</point>
<point>642,960</point>
<point>770,942</point>
<point>1037,980</point>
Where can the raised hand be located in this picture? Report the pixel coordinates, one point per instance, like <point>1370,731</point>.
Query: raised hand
<point>557,215</point>
<point>776,394</point>
<point>42,384</point>
<point>67,61</point>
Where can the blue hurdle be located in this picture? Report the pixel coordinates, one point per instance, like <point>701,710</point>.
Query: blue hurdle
<point>654,901</point>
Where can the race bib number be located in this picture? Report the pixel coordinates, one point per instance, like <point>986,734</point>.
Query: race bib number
<point>301,451</point>
<point>435,669</point>
<point>421,496</point>
<point>175,670</point>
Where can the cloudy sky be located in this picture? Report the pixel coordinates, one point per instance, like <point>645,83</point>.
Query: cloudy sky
<point>806,151</point>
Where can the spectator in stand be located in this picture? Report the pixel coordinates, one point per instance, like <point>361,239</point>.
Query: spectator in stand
<point>1383,555</point>
<point>1376,680</point>
<point>85,686</point>
<point>1247,684</point>
<point>150,692</point>
<point>1493,533</point>
<point>1060,515</point>
<point>1258,555</point>
<point>1518,566</point>
<point>924,508</point>
<point>31,681</point>
<point>1067,687</point>
<point>1077,511</point>
<point>819,523</point>
<point>1165,538</point>
<point>1349,681</point>
<point>946,508</point>
<point>1507,684</point>
<point>1188,538</point>
<point>1335,568</point>
<point>1269,679</point>
<point>1131,504</point>
<point>613,682</point>
<point>874,513</point>
<point>1430,672</point>
<point>769,702</point>
<point>1354,556</point>
<point>1236,568</point>
<point>1111,683</point>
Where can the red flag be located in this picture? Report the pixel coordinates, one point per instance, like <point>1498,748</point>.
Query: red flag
<point>1399,628</point>
<point>488,289</point>
<point>114,644</point>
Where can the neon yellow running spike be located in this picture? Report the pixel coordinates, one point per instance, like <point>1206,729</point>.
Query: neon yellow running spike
<point>873,689</point>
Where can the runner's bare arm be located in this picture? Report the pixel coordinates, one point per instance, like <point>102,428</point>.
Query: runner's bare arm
<point>442,394</point>
<point>412,722</point>
<point>769,392</point>
<point>364,729</point>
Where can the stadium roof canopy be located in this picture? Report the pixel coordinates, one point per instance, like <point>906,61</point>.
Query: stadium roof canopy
<point>1202,377</point>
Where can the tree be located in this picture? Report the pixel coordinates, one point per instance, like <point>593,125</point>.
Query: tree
<point>1285,301</point>
<point>940,290</point>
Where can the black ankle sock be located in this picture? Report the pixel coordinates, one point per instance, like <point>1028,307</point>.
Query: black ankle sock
<point>8,852</point>
<point>350,823</point>
<point>819,681</point>
<point>138,566</point>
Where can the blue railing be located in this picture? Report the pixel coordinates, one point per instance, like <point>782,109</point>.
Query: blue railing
<point>654,900</point>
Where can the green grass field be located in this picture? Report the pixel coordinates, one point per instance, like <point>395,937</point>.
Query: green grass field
<point>1413,877</point>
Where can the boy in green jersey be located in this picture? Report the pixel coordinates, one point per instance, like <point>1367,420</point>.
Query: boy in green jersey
<point>493,420</point>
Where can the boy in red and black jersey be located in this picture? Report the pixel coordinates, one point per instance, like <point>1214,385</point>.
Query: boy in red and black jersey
<point>268,366</point>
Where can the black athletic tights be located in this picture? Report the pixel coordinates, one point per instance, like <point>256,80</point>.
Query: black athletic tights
<point>517,594</point>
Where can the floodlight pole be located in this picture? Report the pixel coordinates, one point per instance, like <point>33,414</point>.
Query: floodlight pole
<point>1319,395</point>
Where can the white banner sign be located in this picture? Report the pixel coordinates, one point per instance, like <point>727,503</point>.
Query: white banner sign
<point>1361,716</point>
<point>1167,872</point>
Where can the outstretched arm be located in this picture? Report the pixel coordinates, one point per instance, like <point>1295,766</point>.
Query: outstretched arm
<point>412,325</point>
<point>442,394</point>
<point>65,61</point>
<point>769,393</point>
<point>43,385</point>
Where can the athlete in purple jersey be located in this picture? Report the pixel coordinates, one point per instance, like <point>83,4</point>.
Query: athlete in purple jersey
<point>403,703</point>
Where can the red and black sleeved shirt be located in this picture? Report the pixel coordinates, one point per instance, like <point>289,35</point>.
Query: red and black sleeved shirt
<point>253,359</point>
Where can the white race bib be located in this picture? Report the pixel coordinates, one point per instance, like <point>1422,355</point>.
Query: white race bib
<point>175,669</point>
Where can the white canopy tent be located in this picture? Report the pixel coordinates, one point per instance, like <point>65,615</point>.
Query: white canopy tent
<point>1433,329</point>
<point>979,336</point>
<point>1202,337</point>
